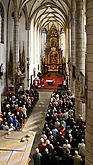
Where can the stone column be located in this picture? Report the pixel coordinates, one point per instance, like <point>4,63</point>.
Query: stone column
<point>0,101</point>
<point>31,46</point>
<point>80,54</point>
<point>40,49</point>
<point>35,49</point>
<point>28,59</point>
<point>38,55</point>
<point>66,49</point>
<point>89,78</point>
<point>16,41</point>
<point>73,46</point>
<point>69,54</point>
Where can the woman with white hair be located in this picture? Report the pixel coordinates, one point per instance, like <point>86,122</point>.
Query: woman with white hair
<point>49,146</point>
<point>42,146</point>
<point>37,157</point>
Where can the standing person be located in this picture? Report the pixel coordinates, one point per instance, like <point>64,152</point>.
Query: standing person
<point>66,146</point>
<point>46,158</point>
<point>37,157</point>
<point>77,158</point>
<point>67,158</point>
<point>81,147</point>
<point>54,158</point>
<point>49,146</point>
<point>41,146</point>
<point>64,84</point>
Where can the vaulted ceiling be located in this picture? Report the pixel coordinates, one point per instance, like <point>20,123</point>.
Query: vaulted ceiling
<point>47,12</point>
<point>44,12</point>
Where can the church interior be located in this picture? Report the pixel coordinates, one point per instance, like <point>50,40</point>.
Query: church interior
<point>46,57</point>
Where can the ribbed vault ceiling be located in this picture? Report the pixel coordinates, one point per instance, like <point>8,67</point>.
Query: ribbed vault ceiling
<point>46,12</point>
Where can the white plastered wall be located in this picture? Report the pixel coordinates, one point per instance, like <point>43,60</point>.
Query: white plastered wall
<point>3,55</point>
<point>3,52</point>
<point>66,48</point>
<point>34,50</point>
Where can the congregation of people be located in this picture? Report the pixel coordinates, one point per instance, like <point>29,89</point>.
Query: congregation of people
<point>63,136</point>
<point>16,108</point>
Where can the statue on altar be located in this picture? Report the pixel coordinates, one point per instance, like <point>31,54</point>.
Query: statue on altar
<point>53,56</point>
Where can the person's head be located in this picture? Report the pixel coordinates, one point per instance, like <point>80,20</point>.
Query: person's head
<point>76,152</point>
<point>42,140</point>
<point>6,123</point>
<point>66,141</point>
<point>46,150</point>
<point>37,150</point>
<point>67,151</point>
<point>82,141</point>
<point>23,106</point>
<point>79,115</point>
<point>58,144</point>
<point>47,141</point>
<point>11,124</point>
<point>17,113</point>
<point>55,153</point>
<point>43,132</point>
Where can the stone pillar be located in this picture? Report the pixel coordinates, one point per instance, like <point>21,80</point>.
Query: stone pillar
<point>16,41</point>
<point>73,46</point>
<point>35,48</point>
<point>89,78</point>
<point>66,49</point>
<point>34,45</point>
<point>28,58</point>
<point>0,101</point>
<point>38,45</point>
<point>80,54</point>
<point>40,49</point>
<point>37,51</point>
<point>69,54</point>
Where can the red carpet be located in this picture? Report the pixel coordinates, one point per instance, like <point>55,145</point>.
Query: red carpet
<point>58,79</point>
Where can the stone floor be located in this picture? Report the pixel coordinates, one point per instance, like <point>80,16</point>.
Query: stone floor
<point>13,150</point>
<point>37,119</point>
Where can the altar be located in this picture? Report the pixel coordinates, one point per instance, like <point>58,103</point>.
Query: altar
<point>53,54</point>
<point>50,82</point>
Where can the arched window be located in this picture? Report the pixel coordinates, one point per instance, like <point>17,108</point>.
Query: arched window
<point>1,23</point>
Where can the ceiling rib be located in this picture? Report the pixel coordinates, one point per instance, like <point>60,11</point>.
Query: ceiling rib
<point>57,10</point>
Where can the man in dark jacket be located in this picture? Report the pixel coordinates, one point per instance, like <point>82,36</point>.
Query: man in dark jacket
<point>67,158</point>
<point>37,157</point>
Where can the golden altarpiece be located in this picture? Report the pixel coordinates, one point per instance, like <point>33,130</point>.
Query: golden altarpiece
<point>53,56</point>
